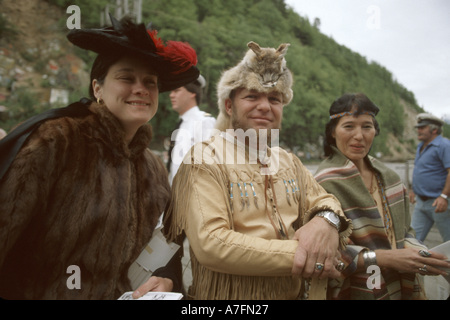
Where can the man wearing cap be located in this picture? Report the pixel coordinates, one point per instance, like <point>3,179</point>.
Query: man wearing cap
<point>431,179</point>
<point>257,222</point>
<point>194,125</point>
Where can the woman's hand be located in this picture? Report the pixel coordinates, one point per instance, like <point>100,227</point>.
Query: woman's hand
<point>154,284</point>
<point>408,260</point>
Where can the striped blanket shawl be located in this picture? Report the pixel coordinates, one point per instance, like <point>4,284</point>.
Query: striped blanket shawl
<point>340,177</point>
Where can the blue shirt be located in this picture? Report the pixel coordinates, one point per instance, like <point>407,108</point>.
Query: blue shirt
<point>430,167</point>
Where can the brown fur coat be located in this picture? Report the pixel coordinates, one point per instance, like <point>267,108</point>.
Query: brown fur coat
<point>77,194</point>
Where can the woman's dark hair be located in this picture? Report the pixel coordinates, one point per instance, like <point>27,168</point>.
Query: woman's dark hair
<point>356,103</point>
<point>100,69</point>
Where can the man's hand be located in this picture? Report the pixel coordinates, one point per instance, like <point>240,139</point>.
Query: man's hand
<point>441,204</point>
<point>318,242</point>
<point>154,284</point>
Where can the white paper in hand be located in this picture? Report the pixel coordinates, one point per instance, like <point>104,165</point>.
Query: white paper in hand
<point>153,296</point>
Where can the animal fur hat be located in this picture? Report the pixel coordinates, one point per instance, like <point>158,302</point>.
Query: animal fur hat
<point>261,69</point>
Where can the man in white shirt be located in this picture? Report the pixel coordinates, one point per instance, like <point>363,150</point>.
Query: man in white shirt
<point>196,125</point>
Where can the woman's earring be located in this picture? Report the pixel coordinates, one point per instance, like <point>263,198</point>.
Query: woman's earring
<point>99,101</point>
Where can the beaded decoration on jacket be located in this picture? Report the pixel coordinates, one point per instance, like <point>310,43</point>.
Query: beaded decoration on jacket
<point>246,191</point>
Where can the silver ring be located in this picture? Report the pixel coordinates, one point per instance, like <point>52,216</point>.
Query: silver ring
<point>424,268</point>
<point>424,253</point>
<point>319,266</point>
<point>340,266</point>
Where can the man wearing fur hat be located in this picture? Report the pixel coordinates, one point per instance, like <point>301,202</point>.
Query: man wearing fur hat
<point>254,215</point>
<point>431,179</point>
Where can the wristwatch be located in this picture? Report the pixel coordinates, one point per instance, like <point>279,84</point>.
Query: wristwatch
<point>443,195</point>
<point>331,217</point>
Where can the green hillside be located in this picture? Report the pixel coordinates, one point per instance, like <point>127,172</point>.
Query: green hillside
<point>323,70</point>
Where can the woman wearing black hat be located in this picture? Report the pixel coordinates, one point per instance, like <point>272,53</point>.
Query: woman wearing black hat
<point>79,187</point>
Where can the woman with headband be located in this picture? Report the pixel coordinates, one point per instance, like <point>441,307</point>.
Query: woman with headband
<point>383,260</point>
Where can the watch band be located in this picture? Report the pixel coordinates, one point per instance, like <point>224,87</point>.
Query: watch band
<point>443,195</point>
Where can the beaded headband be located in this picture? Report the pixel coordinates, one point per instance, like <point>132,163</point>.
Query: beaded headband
<point>348,113</point>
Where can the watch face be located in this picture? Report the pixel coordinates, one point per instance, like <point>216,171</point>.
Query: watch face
<point>334,218</point>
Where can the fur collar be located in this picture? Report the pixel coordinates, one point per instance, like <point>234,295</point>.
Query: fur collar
<point>113,134</point>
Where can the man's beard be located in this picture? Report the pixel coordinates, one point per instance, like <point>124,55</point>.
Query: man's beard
<point>263,134</point>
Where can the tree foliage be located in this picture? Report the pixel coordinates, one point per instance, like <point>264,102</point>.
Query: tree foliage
<point>323,70</point>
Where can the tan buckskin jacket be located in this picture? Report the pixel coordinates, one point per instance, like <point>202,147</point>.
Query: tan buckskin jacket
<point>235,219</point>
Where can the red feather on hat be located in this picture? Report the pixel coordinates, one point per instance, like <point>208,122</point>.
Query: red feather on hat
<point>180,53</point>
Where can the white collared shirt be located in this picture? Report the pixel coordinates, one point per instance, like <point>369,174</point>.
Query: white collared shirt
<point>197,126</point>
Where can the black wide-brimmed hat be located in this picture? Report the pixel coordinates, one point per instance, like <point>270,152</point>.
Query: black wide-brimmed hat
<point>175,62</point>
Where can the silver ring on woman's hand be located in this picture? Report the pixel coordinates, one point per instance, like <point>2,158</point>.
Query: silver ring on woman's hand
<point>340,266</point>
<point>424,253</point>
<point>424,268</point>
<point>319,266</point>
